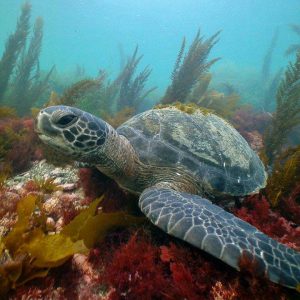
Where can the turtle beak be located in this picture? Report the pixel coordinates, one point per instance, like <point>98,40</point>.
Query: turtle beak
<point>43,125</point>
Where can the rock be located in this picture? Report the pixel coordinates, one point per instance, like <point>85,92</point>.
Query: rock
<point>50,223</point>
<point>68,187</point>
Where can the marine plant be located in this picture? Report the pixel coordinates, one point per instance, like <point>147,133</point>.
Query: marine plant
<point>116,99</point>
<point>285,176</point>
<point>269,83</point>
<point>267,61</point>
<point>41,184</point>
<point>21,258</point>
<point>14,45</point>
<point>256,210</point>
<point>294,48</point>
<point>190,68</point>
<point>18,144</point>
<point>21,81</point>
<point>131,90</point>
<point>72,95</point>
<point>287,114</point>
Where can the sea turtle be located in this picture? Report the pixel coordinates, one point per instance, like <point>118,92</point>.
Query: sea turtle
<point>174,161</point>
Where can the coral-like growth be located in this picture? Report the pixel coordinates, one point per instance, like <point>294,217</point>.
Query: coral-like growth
<point>188,70</point>
<point>141,268</point>
<point>247,120</point>
<point>18,143</point>
<point>287,114</point>
<point>46,186</point>
<point>134,273</point>
<point>94,184</point>
<point>290,207</point>
<point>21,258</point>
<point>256,211</point>
<point>251,125</point>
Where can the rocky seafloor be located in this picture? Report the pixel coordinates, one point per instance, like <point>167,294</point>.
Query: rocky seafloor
<point>138,262</point>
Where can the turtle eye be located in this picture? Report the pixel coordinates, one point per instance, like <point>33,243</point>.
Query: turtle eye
<point>66,120</point>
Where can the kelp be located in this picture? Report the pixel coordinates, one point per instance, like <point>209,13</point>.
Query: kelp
<point>270,82</point>
<point>200,89</point>
<point>28,63</point>
<point>21,82</point>
<point>120,117</point>
<point>285,175</point>
<point>287,114</point>
<point>188,69</point>
<point>106,97</point>
<point>15,43</point>
<point>75,92</point>
<point>132,91</point>
<point>21,258</point>
<point>294,48</point>
<point>7,112</point>
<point>223,105</point>
<point>267,61</point>
<point>270,88</point>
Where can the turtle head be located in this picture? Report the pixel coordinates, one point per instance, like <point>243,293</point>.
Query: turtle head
<point>72,131</point>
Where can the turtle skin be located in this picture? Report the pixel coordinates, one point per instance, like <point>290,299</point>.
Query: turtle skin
<point>205,146</point>
<point>175,162</point>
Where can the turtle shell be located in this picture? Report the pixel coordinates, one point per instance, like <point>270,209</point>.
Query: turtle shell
<point>201,144</point>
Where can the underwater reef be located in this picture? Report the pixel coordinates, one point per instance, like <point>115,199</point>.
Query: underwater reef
<point>96,243</point>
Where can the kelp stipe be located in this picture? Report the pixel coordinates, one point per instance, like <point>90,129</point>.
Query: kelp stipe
<point>13,47</point>
<point>189,69</point>
<point>287,114</point>
<point>294,48</point>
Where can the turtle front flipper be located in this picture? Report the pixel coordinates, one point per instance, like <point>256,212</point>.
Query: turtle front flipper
<point>207,226</point>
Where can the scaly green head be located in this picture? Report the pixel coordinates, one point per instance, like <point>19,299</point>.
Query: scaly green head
<point>72,131</point>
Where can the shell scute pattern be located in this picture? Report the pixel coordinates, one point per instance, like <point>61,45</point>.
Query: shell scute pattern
<point>205,146</point>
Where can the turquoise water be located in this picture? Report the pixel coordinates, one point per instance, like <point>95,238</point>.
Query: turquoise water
<point>93,33</point>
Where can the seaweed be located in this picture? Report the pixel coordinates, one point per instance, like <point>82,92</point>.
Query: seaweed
<point>120,117</point>
<point>18,144</point>
<point>41,184</point>
<point>200,89</point>
<point>13,47</point>
<point>267,62</point>
<point>7,112</point>
<point>285,175</point>
<point>76,92</point>
<point>21,258</point>
<point>294,48</point>
<point>21,82</point>
<point>287,114</point>
<point>132,92</point>
<point>189,69</point>
<point>256,210</point>
<point>28,83</point>
<point>223,105</point>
